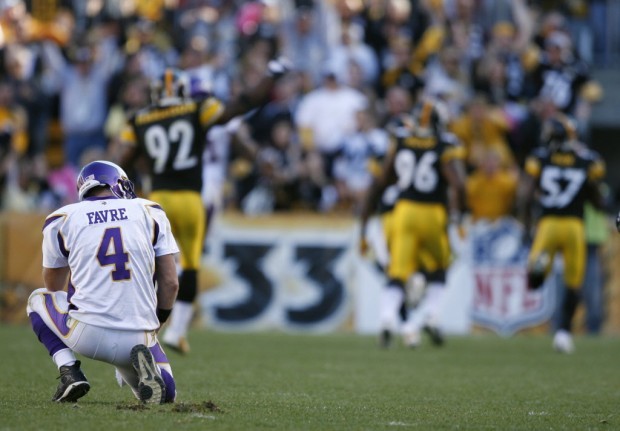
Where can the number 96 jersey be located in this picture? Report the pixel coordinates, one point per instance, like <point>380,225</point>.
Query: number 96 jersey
<point>563,177</point>
<point>110,246</point>
<point>418,166</point>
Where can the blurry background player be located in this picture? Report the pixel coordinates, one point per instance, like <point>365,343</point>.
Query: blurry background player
<point>109,249</point>
<point>423,165</point>
<point>377,234</point>
<point>566,173</point>
<point>170,134</point>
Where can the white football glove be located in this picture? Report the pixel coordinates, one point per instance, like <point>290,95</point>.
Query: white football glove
<point>279,67</point>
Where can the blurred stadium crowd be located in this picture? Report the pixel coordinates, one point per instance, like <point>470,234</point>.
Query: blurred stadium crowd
<point>71,72</point>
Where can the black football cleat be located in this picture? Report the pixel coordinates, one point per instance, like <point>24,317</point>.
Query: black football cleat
<point>537,272</point>
<point>73,384</point>
<point>435,335</point>
<point>385,339</point>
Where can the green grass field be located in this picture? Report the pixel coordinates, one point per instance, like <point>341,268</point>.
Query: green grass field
<point>269,381</point>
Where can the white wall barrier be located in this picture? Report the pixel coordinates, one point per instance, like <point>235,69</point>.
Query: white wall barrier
<point>305,274</point>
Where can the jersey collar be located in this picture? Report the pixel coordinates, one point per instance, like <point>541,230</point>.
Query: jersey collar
<point>99,198</point>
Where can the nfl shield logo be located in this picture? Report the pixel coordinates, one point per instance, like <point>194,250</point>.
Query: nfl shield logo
<point>502,301</point>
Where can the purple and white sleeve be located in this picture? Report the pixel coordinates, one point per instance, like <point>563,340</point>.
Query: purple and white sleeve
<point>164,242</point>
<point>55,252</point>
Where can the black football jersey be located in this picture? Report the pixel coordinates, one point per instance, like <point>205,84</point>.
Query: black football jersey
<point>563,177</point>
<point>418,161</point>
<point>561,84</point>
<point>173,138</point>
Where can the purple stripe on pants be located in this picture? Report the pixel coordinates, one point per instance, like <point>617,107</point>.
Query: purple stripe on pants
<point>46,336</point>
<point>59,318</point>
<point>158,354</point>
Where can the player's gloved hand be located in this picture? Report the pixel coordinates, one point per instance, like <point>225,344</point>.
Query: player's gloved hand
<point>279,67</point>
<point>618,222</point>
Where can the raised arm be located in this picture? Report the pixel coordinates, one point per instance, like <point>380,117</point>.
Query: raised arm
<point>256,96</point>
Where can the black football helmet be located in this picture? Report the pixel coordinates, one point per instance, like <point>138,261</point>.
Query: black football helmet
<point>557,130</point>
<point>173,86</point>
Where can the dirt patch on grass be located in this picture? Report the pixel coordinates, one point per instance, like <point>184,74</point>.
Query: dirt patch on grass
<point>132,407</point>
<point>203,407</point>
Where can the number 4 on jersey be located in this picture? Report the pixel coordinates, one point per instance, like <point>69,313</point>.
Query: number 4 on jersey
<point>117,257</point>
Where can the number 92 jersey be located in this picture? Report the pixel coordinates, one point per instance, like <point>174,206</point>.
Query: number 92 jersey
<point>418,163</point>
<point>173,138</point>
<point>563,177</point>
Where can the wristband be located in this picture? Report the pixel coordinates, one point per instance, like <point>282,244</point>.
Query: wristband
<point>162,315</point>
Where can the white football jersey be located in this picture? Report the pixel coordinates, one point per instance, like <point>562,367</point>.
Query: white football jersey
<point>110,246</point>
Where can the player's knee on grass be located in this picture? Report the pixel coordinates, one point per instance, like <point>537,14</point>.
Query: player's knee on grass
<point>35,301</point>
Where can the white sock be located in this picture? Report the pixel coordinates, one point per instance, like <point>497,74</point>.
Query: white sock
<point>180,319</point>
<point>390,302</point>
<point>64,357</point>
<point>433,302</point>
<point>414,321</point>
<point>427,311</point>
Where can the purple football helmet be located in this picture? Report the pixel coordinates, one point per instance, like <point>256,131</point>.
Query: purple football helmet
<point>101,173</point>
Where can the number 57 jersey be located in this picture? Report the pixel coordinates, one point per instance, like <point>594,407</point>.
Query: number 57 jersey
<point>110,246</point>
<point>564,176</point>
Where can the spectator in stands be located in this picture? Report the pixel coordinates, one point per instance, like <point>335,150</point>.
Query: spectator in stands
<point>13,138</point>
<point>448,78</point>
<point>481,127</point>
<point>490,188</point>
<point>351,48</point>
<point>399,70</point>
<point>511,45</point>
<point>305,42</point>
<point>279,165</point>
<point>386,21</point>
<point>82,84</point>
<point>324,117</point>
<point>24,73</point>
<point>352,165</point>
<point>27,189</point>
<point>202,69</point>
<point>153,46</point>
<point>564,79</point>
<point>466,31</point>
<point>134,95</point>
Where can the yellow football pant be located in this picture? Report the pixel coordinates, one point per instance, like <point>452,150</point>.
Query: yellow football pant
<point>186,213</point>
<point>565,235</point>
<point>418,238</point>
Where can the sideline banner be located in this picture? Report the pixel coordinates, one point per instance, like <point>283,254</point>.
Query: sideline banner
<point>282,273</point>
<point>305,274</point>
